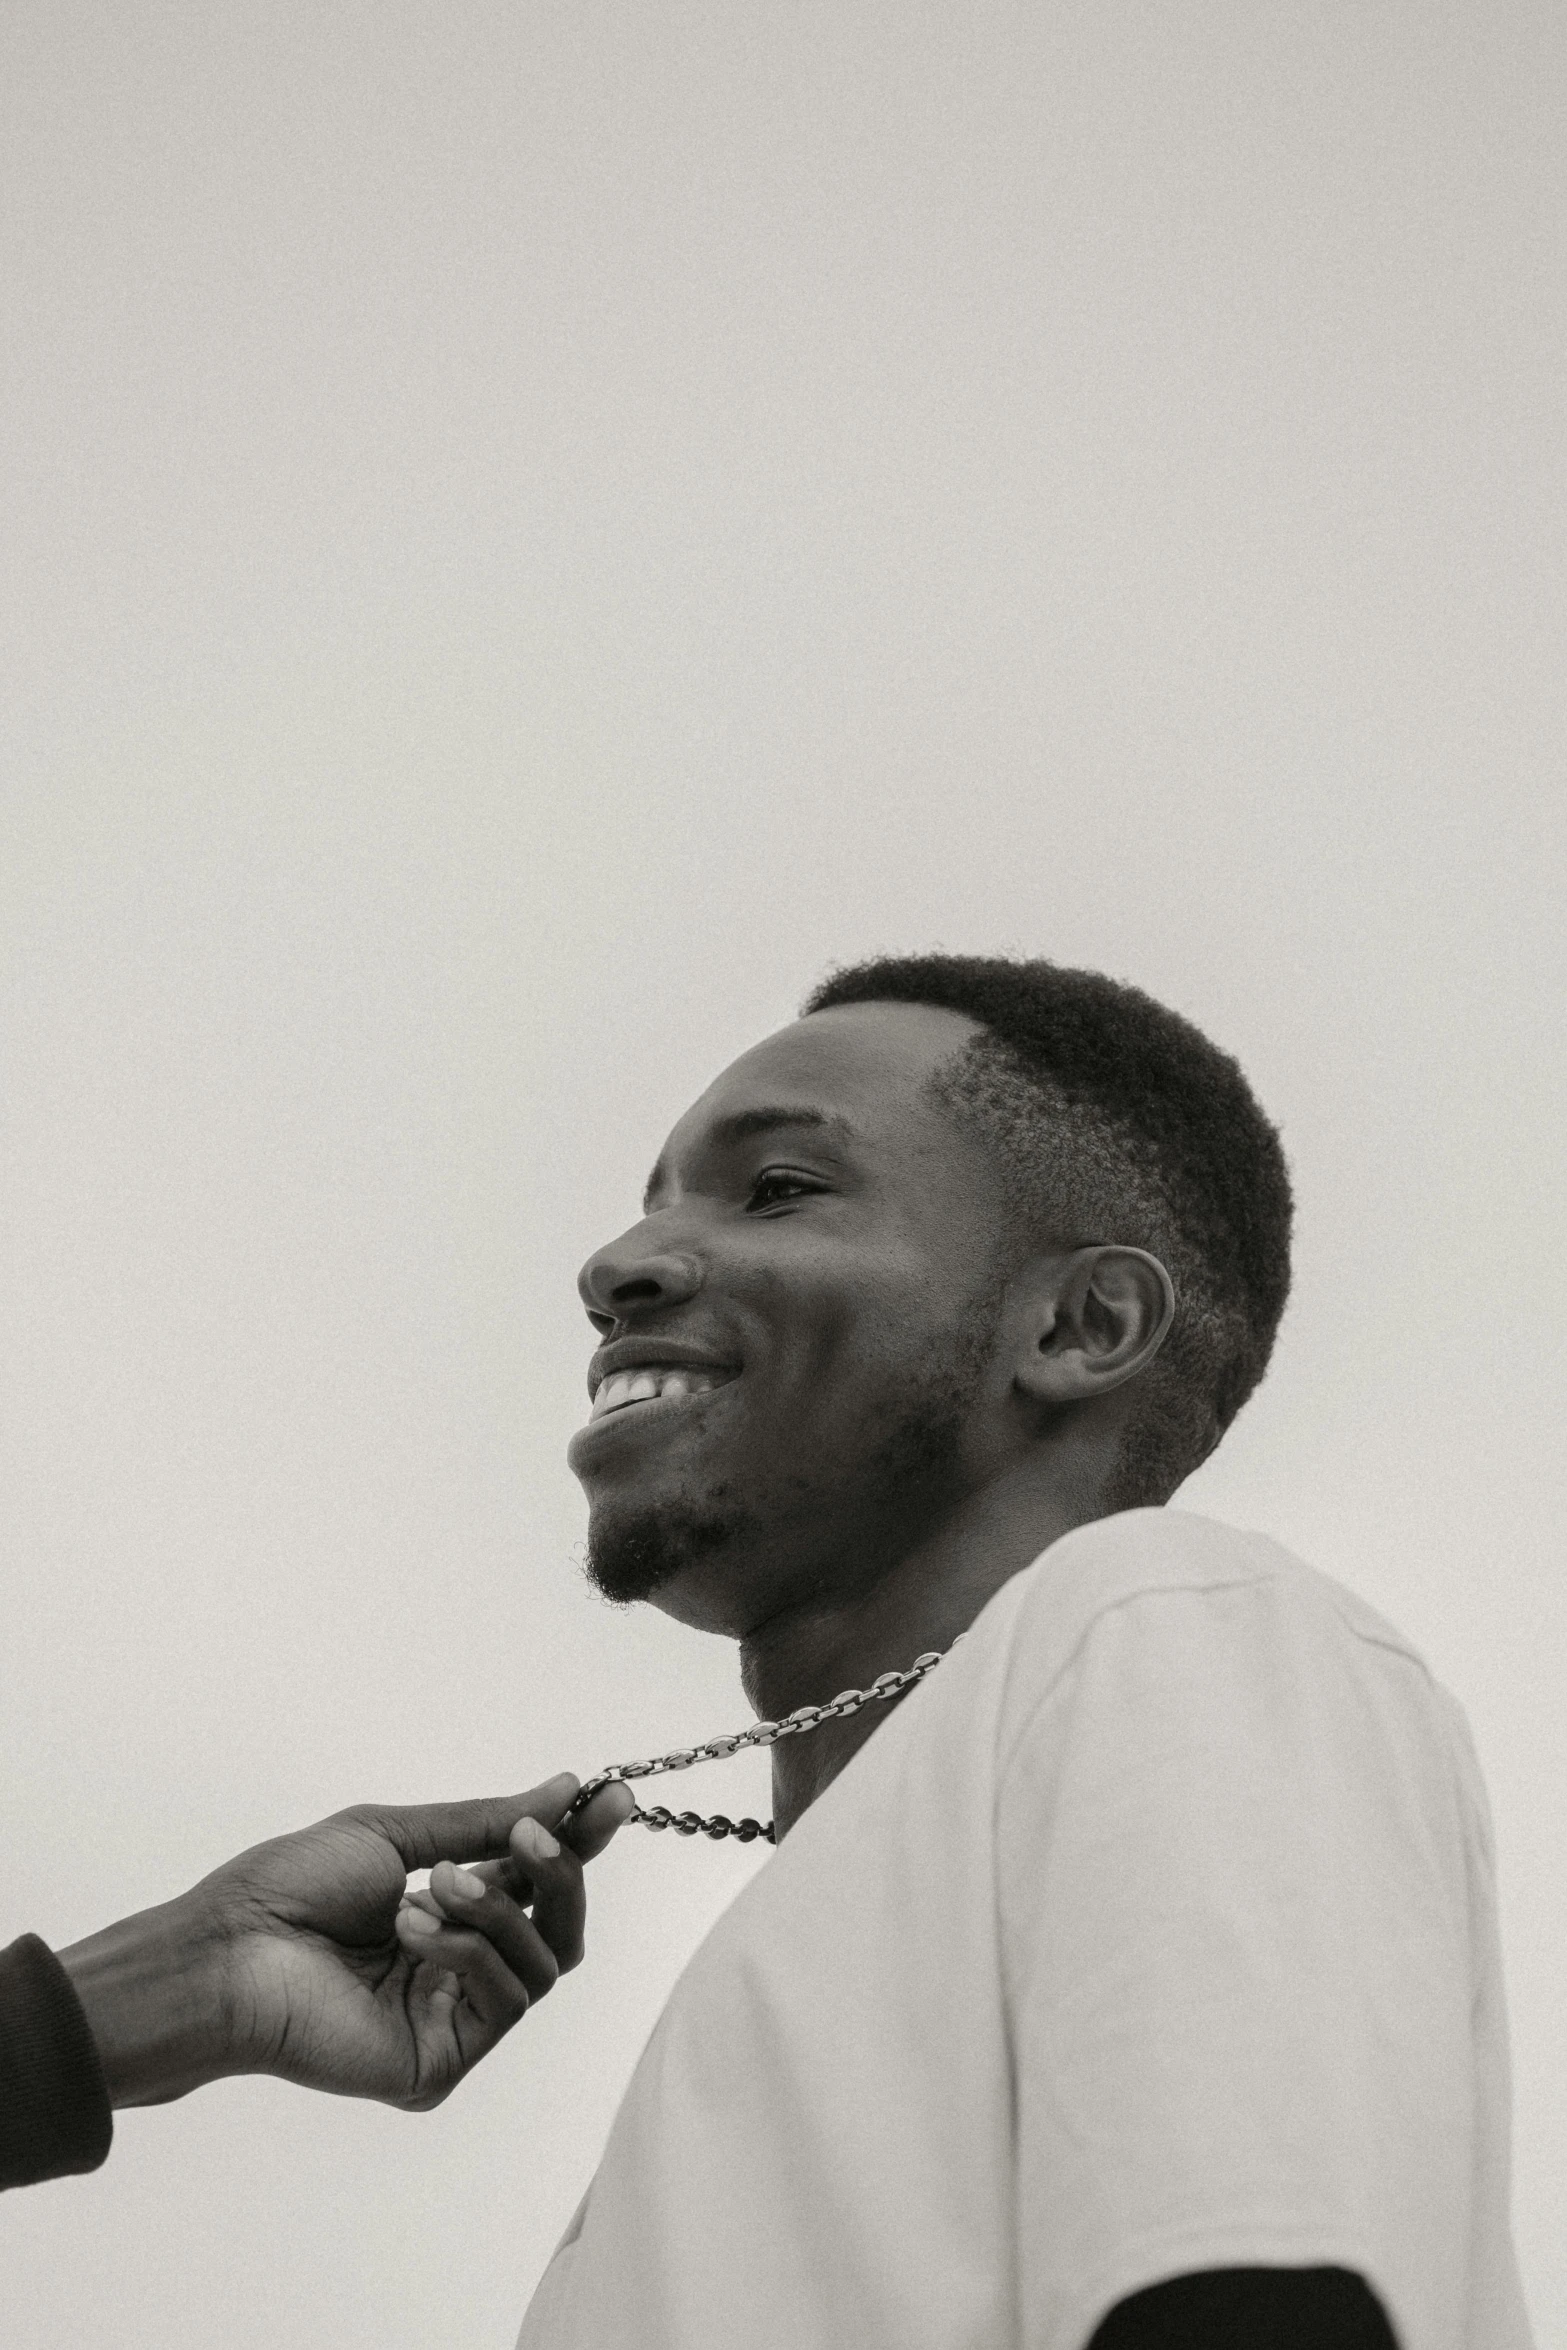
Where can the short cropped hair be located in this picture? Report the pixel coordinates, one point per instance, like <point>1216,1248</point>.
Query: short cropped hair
<point>1112,1119</point>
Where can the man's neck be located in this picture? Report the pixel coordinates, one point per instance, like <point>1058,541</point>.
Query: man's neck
<point>933,1593</point>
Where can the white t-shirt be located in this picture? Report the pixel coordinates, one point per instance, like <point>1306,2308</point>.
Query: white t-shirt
<point>1155,1931</point>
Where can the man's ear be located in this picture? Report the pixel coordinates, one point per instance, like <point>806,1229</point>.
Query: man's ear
<point>1097,1318</point>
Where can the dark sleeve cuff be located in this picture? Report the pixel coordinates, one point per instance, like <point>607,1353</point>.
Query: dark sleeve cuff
<point>54,2107</point>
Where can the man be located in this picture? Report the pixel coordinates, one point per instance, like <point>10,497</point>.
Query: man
<point>306,1958</point>
<point>1134,1977</point>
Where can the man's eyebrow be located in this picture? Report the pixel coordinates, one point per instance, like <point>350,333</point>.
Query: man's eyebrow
<point>767,1118</point>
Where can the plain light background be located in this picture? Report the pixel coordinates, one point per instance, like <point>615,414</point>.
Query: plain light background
<point>531,530</point>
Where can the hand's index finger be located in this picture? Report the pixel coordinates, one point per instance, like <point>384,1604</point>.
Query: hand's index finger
<point>423,1833</point>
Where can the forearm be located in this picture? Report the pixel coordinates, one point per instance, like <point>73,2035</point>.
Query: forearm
<point>151,1996</point>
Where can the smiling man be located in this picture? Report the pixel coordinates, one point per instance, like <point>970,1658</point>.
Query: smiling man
<point>1129,1975</point>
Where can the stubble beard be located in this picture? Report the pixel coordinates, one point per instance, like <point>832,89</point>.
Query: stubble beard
<point>914,1458</point>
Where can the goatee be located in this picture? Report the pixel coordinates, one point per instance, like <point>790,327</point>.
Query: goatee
<point>629,1558</point>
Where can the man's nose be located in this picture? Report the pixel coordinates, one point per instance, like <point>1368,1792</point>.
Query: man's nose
<point>625,1278</point>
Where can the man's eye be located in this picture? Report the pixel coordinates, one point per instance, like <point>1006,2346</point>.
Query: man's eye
<point>777,1183</point>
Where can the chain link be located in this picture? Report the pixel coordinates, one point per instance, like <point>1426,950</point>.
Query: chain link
<point>882,1690</point>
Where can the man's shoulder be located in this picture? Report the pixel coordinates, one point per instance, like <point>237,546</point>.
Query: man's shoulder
<point>1143,1564</point>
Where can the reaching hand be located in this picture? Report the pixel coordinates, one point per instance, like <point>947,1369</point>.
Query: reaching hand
<point>305,1957</point>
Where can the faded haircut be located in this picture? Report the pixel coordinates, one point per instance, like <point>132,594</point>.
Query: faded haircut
<point>1112,1119</point>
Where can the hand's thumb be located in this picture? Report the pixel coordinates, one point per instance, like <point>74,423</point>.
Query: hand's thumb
<point>589,1830</point>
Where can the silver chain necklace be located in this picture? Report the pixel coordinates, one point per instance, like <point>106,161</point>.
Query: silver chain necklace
<point>804,1717</point>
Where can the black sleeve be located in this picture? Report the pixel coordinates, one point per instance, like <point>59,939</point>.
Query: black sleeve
<point>1250,2309</point>
<point>54,2107</point>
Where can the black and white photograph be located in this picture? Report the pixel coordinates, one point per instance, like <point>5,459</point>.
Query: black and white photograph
<point>783,843</point>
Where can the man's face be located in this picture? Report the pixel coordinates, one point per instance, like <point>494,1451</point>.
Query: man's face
<point>816,1269</point>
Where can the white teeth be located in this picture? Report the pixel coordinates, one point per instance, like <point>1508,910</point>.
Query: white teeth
<point>612,1392</point>
<point>628,1387</point>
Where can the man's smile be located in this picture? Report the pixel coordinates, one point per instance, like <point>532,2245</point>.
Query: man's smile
<point>646,1384</point>
<point>622,1391</point>
<point>636,1376</point>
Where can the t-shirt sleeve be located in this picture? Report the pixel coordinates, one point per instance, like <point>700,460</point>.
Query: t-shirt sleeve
<point>54,2108</point>
<point>1235,1939</point>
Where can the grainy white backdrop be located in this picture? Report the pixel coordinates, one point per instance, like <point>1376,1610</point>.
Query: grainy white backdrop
<point>529,531</point>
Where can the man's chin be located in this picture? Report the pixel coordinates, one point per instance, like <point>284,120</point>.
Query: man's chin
<point>640,1554</point>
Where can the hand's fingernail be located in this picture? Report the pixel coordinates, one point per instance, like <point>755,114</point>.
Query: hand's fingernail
<point>418,1921</point>
<point>467,1886</point>
<point>538,1841</point>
